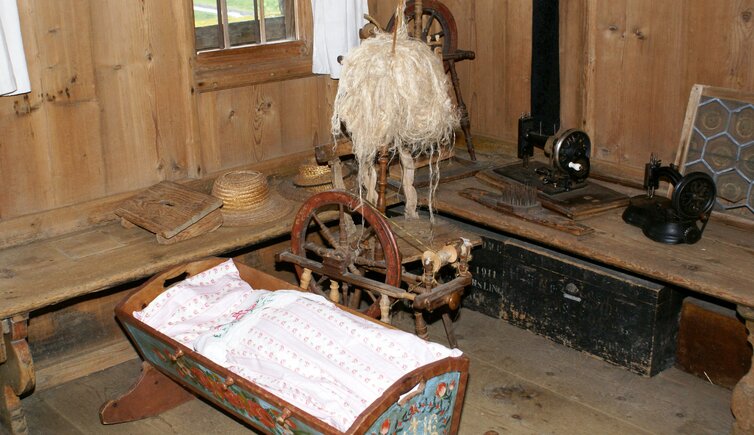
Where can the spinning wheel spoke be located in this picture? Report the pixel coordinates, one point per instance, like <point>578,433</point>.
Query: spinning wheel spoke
<point>326,233</point>
<point>319,249</point>
<point>427,27</point>
<point>371,264</point>
<point>438,28</point>
<point>342,225</point>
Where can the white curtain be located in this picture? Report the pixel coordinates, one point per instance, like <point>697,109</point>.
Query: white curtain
<point>14,77</point>
<point>336,31</point>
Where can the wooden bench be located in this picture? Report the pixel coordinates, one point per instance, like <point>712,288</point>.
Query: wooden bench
<point>52,269</point>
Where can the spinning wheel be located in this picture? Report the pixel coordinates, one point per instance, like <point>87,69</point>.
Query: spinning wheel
<point>346,236</point>
<point>345,250</point>
<point>437,27</point>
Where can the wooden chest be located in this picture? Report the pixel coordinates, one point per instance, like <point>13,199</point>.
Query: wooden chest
<point>622,319</point>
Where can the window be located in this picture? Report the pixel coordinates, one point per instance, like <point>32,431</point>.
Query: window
<point>241,42</point>
<point>223,24</point>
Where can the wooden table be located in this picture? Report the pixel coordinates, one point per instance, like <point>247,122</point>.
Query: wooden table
<point>720,265</point>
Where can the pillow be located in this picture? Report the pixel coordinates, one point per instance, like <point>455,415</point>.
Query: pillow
<point>201,303</point>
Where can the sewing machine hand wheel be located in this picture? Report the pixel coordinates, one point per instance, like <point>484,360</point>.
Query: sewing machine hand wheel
<point>694,195</point>
<point>339,230</point>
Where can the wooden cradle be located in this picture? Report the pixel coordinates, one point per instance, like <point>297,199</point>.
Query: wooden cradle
<point>170,369</point>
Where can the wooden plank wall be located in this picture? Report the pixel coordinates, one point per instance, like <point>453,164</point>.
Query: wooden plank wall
<point>644,57</point>
<point>627,68</point>
<point>112,108</point>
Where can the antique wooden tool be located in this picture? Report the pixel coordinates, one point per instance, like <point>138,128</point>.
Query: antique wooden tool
<point>344,248</point>
<point>523,205</point>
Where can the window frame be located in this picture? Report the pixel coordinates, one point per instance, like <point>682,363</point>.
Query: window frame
<point>255,64</point>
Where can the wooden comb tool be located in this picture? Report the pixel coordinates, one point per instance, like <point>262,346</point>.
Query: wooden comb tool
<point>524,205</point>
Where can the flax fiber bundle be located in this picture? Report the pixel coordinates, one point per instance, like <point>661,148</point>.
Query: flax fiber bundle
<point>393,93</point>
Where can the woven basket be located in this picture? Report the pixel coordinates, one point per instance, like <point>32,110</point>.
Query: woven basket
<point>248,199</point>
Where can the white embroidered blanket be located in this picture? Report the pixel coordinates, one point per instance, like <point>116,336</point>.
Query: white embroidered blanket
<point>298,346</point>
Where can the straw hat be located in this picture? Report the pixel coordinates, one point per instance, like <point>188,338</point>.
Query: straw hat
<point>248,199</point>
<point>313,178</point>
<point>310,174</point>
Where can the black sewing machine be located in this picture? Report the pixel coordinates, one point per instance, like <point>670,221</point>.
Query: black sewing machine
<point>672,220</point>
<point>568,154</point>
<point>562,181</point>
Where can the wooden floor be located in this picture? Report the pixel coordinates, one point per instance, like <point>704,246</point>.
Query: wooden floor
<point>520,383</point>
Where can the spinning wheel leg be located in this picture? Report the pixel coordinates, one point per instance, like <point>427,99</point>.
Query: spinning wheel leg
<point>420,325</point>
<point>465,121</point>
<point>447,322</point>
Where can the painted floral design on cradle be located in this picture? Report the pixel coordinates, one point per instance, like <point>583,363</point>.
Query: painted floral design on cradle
<point>225,393</point>
<point>430,412</point>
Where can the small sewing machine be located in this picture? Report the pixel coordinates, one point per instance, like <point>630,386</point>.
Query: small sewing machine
<point>672,220</point>
<point>561,181</point>
<point>568,154</point>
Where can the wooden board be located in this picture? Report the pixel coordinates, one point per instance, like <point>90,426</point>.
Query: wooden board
<point>588,200</point>
<point>167,208</point>
<point>38,275</point>
<point>717,139</point>
<point>712,343</point>
<point>536,214</point>
<point>414,236</point>
<point>451,169</point>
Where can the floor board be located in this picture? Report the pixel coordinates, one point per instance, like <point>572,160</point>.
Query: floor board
<point>520,383</point>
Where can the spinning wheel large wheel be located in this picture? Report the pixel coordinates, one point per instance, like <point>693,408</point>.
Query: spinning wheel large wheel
<point>340,231</point>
